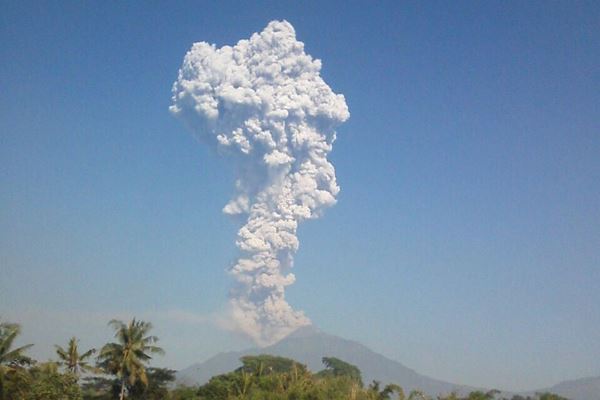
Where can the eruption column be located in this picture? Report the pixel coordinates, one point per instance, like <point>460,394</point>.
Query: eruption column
<point>263,103</point>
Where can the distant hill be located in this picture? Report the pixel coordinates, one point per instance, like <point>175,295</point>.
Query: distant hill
<point>578,389</point>
<point>309,345</point>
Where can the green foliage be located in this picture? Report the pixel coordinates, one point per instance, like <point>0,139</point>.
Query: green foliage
<point>11,357</point>
<point>492,394</point>
<point>156,389</point>
<point>49,384</point>
<point>127,358</point>
<point>550,396</point>
<point>479,395</point>
<point>12,361</point>
<point>184,393</point>
<point>221,386</point>
<point>267,364</point>
<point>41,382</point>
<point>100,388</point>
<point>375,392</point>
<point>282,379</point>
<point>336,367</point>
<point>15,384</point>
<point>418,395</point>
<point>74,362</point>
<point>278,378</point>
<point>263,377</point>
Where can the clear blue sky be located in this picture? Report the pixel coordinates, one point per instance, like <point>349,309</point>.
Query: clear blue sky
<point>466,239</point>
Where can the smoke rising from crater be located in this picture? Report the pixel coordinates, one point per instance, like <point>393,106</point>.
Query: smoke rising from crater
<point>263,103</point>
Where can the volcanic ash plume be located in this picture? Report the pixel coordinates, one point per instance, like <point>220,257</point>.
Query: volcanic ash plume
<point>263,103</point>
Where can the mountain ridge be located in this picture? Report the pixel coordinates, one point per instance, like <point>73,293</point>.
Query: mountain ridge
<point>309,344</point>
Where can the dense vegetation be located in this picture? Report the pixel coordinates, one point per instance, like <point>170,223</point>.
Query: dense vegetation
<point>121,371</point>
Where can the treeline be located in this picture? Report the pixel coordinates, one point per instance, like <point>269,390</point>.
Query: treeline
<point>118,370</point>
<point>121,370</point>
<point>267,377</point>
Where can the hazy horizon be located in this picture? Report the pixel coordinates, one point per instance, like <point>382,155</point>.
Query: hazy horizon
<point>464,241</point>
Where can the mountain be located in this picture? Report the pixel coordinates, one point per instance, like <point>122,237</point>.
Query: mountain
<point>578,389</point>
<point>309,345</point>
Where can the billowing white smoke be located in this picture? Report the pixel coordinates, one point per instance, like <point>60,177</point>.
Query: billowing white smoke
<point>263,103</point>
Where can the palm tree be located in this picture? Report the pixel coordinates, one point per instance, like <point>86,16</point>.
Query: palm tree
<point>10,359</point>
<point>128,357</point>
<point>74,362</point>
<point>8,333</point>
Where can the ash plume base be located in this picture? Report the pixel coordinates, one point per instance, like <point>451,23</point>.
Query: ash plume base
<point>263,104</point>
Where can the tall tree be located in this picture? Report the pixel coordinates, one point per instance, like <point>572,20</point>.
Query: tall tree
<point>157,387</point>
<point>336,367</point>
<point>74,362</point>
<point>10,358</point>
<point>267,364</point>
<point>129,356</point>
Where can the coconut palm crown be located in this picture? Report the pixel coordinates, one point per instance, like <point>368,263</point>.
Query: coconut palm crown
<point>128,357</point>
<point>8,356</point>
<point>70,358</point>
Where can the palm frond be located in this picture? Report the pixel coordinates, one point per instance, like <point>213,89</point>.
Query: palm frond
<point>17,353</point>
<point>155,350</point>
<point>87,354</point>
<point>129,356</point>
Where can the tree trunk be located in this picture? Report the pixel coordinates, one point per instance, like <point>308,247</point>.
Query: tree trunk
<point>122,395</point>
